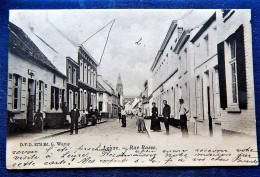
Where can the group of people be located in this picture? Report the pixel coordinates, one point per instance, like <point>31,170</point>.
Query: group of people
<point>140,119</point>
<point>155,120</point>
<point>74,115</point>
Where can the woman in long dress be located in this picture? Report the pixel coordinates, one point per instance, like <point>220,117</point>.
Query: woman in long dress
<point>155,122</point>
<point>140,121</point>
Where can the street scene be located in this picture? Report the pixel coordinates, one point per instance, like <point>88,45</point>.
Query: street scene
<point>157,76</point>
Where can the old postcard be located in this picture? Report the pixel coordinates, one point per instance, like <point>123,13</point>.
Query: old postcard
<point>130,88</point>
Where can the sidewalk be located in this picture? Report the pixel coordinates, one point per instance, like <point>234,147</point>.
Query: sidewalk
<point>47,132</point>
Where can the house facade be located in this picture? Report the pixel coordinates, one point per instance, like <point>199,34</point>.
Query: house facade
<point>210,67</point>
<point>235,65</point>
<point>34,83</point>
<point>82,81</point>
<point>107,98</point>
<point>206,78</point>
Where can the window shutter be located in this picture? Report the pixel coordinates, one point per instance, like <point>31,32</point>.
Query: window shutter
<point>23,94</point>
<point>10,92</point>
<point>45,97</point>
<point>222,75</point>
<point>241,68</point>
<point>36,95</point>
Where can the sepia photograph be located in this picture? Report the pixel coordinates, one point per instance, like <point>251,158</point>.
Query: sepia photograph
<point>130,88</point>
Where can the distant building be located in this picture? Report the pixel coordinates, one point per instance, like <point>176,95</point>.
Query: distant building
<point>107,98</point>
<point>145,100</point>
<point>34,83</point>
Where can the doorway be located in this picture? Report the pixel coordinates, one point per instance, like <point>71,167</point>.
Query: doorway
<point>31,102</point>
<point>209,116</point>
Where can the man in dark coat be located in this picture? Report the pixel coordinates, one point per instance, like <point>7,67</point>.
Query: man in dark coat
<point>155,122</point>
<point>123,114</point>
<point>166,115</point>
<point>74,115</point>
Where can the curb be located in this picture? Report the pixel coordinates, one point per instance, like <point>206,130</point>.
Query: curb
<point>65,131</point>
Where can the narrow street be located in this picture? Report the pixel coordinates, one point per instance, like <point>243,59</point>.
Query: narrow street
<point>109,129</point>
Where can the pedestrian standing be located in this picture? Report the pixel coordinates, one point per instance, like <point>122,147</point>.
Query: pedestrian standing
<point>166,115</point>
<point>123,114</point>
<point>38,119</point>
<point>155,122</point>
<point>183,119</point>
<point>84,120</point>
<point>140,121</point>
<point>119,113</point>
<point>74,115</point>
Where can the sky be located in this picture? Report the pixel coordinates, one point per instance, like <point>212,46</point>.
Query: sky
<point>122,54</point>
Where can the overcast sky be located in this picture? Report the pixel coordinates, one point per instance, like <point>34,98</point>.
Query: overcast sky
<point>121,55</point>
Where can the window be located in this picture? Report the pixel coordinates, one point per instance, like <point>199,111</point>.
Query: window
<point>40,100</point>
<point>206,38</point>
<point>54,78</point>
<point>95,79</point>
<point>85,73</point>
<point>92,78</point>
<point>89,75</point>
<point>233,66</point>
<point>74,76</point>
<point>16,91</point>
<point>69,75</point>
<point>70,100</point>
<point>76,100</point>
<point>52,97</point>
<point>60,98</point>
<point>55,98</point>
<point>234,82</point>
<point>186,60</point>
<point>85,99</point>
<point>81,70</point>
<point>81,100</point>
<point>233,49</point>
<point>180,67</point>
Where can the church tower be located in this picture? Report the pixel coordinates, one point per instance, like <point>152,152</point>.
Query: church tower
<point>119,85</point>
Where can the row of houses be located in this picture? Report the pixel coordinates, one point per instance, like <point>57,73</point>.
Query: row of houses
<point>35,84</point>
<point>108,98</point>
<point>210,66</point>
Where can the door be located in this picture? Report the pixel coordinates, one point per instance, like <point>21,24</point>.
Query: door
<point>31,101</point>
<point>209,117</point>
<point>100,106</point>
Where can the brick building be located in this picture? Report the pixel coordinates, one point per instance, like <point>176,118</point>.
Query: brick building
<point>82,81</point>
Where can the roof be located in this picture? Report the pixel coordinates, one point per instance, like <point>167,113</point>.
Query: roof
<point>183,39</point>
<point>103,86</point>
<point>21,45</point>
<point>164,44</point>
<point>204,27</point>
<point>83,48</point>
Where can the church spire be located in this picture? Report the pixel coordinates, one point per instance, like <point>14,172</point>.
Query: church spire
<point>119,85</point>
